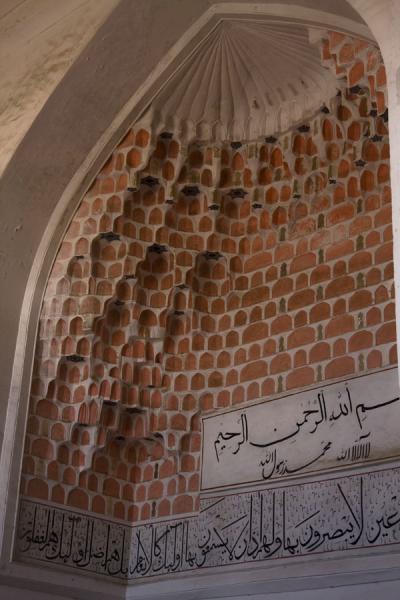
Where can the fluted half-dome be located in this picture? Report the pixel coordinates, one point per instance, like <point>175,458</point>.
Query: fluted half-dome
<point>245,79</point>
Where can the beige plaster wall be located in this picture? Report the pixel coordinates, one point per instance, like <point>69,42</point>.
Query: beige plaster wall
<point>39,41</point>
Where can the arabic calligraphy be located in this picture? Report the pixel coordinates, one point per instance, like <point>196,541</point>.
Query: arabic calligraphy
<point>337,425</point>
<point>356,511</point>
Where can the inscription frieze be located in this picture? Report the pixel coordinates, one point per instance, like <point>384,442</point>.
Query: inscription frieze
<point>356,511</point>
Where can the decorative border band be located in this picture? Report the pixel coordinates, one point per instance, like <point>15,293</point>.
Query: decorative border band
<point>352,512</point>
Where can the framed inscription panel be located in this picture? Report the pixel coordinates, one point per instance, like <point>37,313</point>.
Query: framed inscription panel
<point>333,426</point>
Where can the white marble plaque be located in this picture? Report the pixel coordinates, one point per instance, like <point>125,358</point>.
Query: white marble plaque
<point>334,426</point>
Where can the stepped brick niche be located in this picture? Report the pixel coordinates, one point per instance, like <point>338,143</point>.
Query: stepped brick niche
<point>202,273</point>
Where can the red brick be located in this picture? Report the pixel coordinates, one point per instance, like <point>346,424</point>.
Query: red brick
<point>360,299</point>
<point>282,287</point>
<point>301,299</point>
<point>300,377</point>
<point>383,173</point>
<point>344,212</point>
<point>256,296</point>
<point>360,341</point>
<point>389,313</point>
<point>283,252</point>
<point>281,324</point>
<point>339,307</point>
<point>339,286</point>
<point>257,262</point>
<point>360,224</point>
<point>339,249</point>
<point>254,370</point>
<point>320,352</point>
<point>300,359</point>
<point>339,325</point>
<point>339,269</point>
<point>373,277</point>
<point>281,362</point>
<point>78,499</point>
<point>335,39</point>
<point>373,316</point>
<point>301,337</point>
<point>43,448</point>
<point>47,409</point>
<point>319,274</point>
<point>254,332</point>
<point>38,489</point>
<point>374,359</point>
<point>320,312</point>
<point>182,504</point>
<point>384,253</point>
<point>359,261</point>
<point>386,333</point>
<point>156,490</point>
<point>303,262</point>
<point>393,355</point>
<point>339,367</point>
<point>356,73</point>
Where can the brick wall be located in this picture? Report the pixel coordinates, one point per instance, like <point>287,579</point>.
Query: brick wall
<point>197,276</point>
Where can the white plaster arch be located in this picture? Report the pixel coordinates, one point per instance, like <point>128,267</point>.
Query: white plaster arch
<point>32,268</point>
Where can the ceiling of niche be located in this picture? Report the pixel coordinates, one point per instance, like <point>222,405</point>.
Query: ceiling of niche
<point>244,80</point>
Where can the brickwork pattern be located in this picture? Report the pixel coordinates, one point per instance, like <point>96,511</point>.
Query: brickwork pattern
<point>194,277</point>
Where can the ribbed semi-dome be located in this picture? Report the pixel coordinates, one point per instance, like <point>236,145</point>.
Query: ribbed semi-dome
<point>245,79</point>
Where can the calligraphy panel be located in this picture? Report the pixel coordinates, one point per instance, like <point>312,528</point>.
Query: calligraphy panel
<point>334,426</point>
<point>340,514</point>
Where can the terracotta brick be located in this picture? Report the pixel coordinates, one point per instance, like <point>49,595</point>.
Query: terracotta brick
<point>256,331</point>
<point>78,499</point>
<point>389,313</point>
<point>43,448</point>
<point>339,249</point>
<point>282,287</point>
<point>339,325</point>
<point>384,253</point>
<point>393,355</point>
<point>182,504</point>
<point>360,299</point>
<point>344,212</point>
<point>360,341</point>
<point>280,362</point>
<point>339,286</point>
<point>320,352</point>
<point>301,337</point>
<point>256,296</point>
<point>254,371</point>
<point>374,359</point>
<point>335,39</point>
<point>300,377</point>
<point>38,489</point>
<point>320,312</point>
<point>386,333</point>
<point>303,262</point>
<point>156,490</point>
<point>340,367</point>
<point>319,274</point>
<point>300,299</point>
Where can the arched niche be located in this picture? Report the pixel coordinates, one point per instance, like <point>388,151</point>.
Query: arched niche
<point>86,174</point>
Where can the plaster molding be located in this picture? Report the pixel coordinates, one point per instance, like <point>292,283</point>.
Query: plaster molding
<point>262,77</point>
